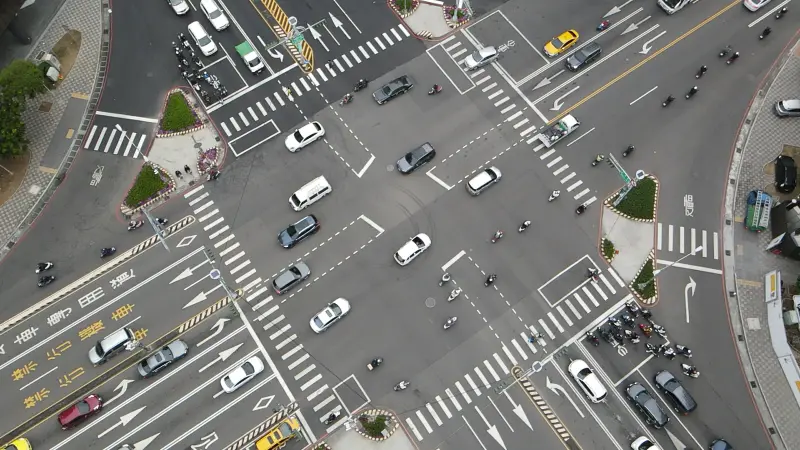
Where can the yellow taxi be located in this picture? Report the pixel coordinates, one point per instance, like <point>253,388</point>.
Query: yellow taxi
<point>19,444</point>
<point>561,43</point>
<point>277,437</point>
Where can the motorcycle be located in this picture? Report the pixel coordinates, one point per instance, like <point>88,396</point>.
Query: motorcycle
<point>401,385</point>
<point>660,330</point>
<point>375,363</point>
<point>362,83</point>
<point>628,151</point>
<point>41,267</point>
<point>632,336</point>
<point>615,323</point>
<point>435,89</point>
<point>633,308</point>
<point>780,13</point>
<point>646,330</point>
<point>445,278</point>
<point>524,226</point>
<point>667,101</point>
<point>725,51</point>
<point>108,251</point>
<point>490,280</point>
<point>619,338</point>
<point>346,99</point>
<point>454,294</point>
<point>597,159</point>
<point>580,209</point>
<point>608,337</point>
<point>627,320</point>
<point>733,58</point>
<point>683,350</point>
<point>450,322</point>
<point>646,314</point>
<point>669,352</point>
<point>691,92</point>
<point>134,224</point>
<point>196,61</point>
<point>765,33</point>
<point>497,236</point>
<point>161,221</point>
<point>213,174</point>
<point>332,418</point>
<point>592,338</point>
<point>603,25</point>
<point>650,348</point>
<point>45,280</point>
<point>701,72</point>
<point>689,371</point>
<point>554,195</point>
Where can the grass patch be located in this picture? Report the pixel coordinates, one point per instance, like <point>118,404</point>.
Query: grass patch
<point>640,203</point>
<point>608,249</point>
<point>405,5</point>
<point>148,184</point>
<point>178,115</point>
<point>645,276</point>
<point>374,428</point>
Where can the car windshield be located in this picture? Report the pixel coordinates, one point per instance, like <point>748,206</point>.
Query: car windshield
<point>335,310</point>
<point>83,407</point>
<point>291,231</point>
<point>175,2</point>
<point>418,241</point>
<point>99,349</point>
<point>295,271</point>
<point>298,136</point>
<point>285,429</point>
<point>477,56</point>
<point>387,90</point>
<point>672,3</point>
<point>556,42</point>
<point>318,322</point>
<point>203,41</point>
<point>584,373</point>
<point>254,62</point>
<point>248,369</point>
<point>214,13</point>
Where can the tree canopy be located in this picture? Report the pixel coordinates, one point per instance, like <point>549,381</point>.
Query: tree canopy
<point>19,81</point>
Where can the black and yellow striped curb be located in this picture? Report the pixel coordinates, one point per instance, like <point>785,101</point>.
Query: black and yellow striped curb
<point>262,428</point>
<point>94,275</point>
<point>549,415</point>
<point>283,29</point>
<point>126,364</point>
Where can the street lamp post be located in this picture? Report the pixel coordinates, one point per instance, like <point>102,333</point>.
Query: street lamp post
<point>216,274</point>
<point>657,272</point>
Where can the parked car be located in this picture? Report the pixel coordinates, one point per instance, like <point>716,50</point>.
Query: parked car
<point>214,15</point>
<point>179,6</point>
<point>202,39</point>
<point>79,412</point>
<point>644,443</point>
<point>788,108</point>
<point>681,399</point>
<point>785,174</point>
<point>237,377</point>
<point>587,380</point>
<point>392,89</point>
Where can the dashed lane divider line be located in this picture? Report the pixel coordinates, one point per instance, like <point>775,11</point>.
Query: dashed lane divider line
<point>97,273</point>
<point>549,415</point>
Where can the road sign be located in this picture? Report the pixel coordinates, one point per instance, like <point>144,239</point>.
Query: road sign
<point>214,274</point>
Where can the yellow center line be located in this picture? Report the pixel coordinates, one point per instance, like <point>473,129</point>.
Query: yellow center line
<point>644,61</point>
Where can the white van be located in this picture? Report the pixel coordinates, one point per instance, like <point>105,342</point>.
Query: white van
<point>310,193</point>
<point>202,39</point>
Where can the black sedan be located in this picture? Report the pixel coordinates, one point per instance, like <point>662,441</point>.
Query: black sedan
<point>681,400</point>
<point>648,405</point>
<point>392,89</point>
<point>159,360</point>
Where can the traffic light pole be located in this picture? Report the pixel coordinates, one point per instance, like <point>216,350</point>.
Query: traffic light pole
<point>216,274</point>
<point>629,182</point>
<point>297,36</point>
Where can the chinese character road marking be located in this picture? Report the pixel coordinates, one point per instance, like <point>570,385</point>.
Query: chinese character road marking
<point>122,311</point>
<point>18,374</point>
<point>121,278</point>
<point>26,335</point>
<point>60,348</point>
<point>91,297</point>
<point>58,316</point>
<point>91,330</point>
<point>37,397</point>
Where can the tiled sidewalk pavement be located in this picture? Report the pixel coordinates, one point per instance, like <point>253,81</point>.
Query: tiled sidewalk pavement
<point>763,138</point>
<point>90,17</point>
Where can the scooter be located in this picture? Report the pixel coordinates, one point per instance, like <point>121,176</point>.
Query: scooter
<point>450,322</point>
<point>454,294</point>
<point>597,159</point>
<point>765,33</point>
<point>554,195</point>
<point>652,349</point>
<point>632,336</point>
<point>690,371</point>
<point>780,13</point>
<point>733,58</point>
<point>45,280</point>
<point>660,330</point>
<point>603,25</point>
<point>691,92</point>
<point>669,352</point>
<point>633,308</point>
<point>667,101</point>
<point>647,330</point>
<point>435,89</point>
<point>375,363</point>
<point>490,280</point>
<point>580,209</point>
<point>346,99</point>
<point>362,83</point>
<point>497,236</point>
<point>725,51</point>
<point>161,221</point>
<point>628,150</point>
<point>401,385</point>
<point>524,226</point>
<point>592,338</point>
<point>683,350</point>
<point>108,251</point>
<point>332,418</point>
<point>134,224</point>
<point>445,278</point>
<point>43,267</point>
<point>627,320</point>
<point>701,72</point>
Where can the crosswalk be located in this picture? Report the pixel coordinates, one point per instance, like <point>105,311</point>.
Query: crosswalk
<point>250,116</point>
<point>684,240</point>
<point>108,139</point>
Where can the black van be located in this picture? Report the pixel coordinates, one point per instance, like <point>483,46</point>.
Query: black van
<point>785,174</point>
<point>584,56</point>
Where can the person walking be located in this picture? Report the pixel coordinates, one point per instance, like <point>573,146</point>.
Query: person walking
<point>178,174</point>
<point>187,169</point>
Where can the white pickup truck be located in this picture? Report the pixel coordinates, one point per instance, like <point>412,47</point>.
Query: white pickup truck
<point>558,130</point>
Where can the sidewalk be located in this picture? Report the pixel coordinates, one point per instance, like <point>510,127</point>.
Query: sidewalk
<point>342,439</point>
<point>88,17</point>
<point>746,261</point>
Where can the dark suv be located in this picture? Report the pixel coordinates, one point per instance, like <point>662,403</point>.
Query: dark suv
<point>648,405</point>
<point>293,234</point>
<point>392,89</point>
<point>584,56</point>
<point>681,400</point>
<point>416,158</point>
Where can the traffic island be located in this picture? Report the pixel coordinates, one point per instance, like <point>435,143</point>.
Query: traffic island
<point>151,185</point>
<point>376,424</point>
<point>404,8</point>
<point>628,233</point>
<point>425,18</point>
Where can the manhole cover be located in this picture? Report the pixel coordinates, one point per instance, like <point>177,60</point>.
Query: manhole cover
<point>45,106</point>
<point>390,167</point>
<point>430,302</point>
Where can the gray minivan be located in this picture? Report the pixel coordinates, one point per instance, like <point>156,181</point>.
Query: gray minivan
<point>110,346</point>
<point>583,56</point>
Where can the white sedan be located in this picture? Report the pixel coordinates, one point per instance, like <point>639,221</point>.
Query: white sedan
<point>304,136</point>
<point>643,443</point>
<point>234,379</point>
<point>179,6</point>
<point>755,5</point>
<point>330,315</point>
<point>214,14</point>
<point>587,380</point>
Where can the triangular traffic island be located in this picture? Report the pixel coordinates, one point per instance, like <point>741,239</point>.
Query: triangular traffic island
<point>151,185</point>
<point>178,117</point>
<point>628,232</point>
<point>376,424</point>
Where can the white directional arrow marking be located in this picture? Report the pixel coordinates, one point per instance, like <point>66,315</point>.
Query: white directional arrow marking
<point>315,34</point>
<point>547,80</point>
<point>558,390</point>
<point>518,411</point>
<point>223,355</point>
<point>263,402</point>
<point>122,387</point>
<point>558,103</point>
<point>617,9</point>
<point>675,441</point>
<point>338,24</point>
<point>635,26</point>
<point>275,54</point>
<point>689,287</point>
<point>201,297</point>
<point>492,429</point>
<point>206,441</point>
<point>187,272</point>
<point>141,445</point>
<point>218,329</point>
<point>124,420</point>
<point>646,46</point>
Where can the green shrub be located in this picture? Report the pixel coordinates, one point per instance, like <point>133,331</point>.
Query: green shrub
<point>646,276</point>
<point>608,249</point>
<point>178,116</point>
<point>405,5</point>
<point>147,185</point>
<point>640,202</point>
<point>375,427</point>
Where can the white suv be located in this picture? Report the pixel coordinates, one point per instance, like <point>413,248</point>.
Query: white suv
<point>412,249</point>
<point>587,380</point>
<point>483,180</point>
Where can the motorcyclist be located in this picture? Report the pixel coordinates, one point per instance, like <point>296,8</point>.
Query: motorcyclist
<point>490,279</point>
<point>525,225</point>
<point>43,266</point>
<point>599,158</point>
<point>554,195</point>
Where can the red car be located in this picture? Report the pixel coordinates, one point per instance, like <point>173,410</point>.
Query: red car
<point>80,411</point>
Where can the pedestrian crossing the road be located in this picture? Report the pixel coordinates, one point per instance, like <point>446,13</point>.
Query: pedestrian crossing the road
<point>684,240</point>
<point>249,118</point>
<point>108,139</point>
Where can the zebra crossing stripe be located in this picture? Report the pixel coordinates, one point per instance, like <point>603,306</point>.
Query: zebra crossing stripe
<point>555,322</point>
<point>491,370</point>
<point>424,422</point>
<point>608,285</point>
<point>433,414</point>
<point>413,428</point>
<point>519,349</point>
<point>463,393</point>
<point>483,379</point>
<point>509,355</point>
<point>573,309</point>
<point>591,297</point>
<point>500,363</point>
<point>596,287</point>
<point>452,399</point>
<point>472,385</point>
<point>564,315</point>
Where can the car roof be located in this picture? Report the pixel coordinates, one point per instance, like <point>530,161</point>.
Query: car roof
<point>410,247</point>
<point>482,178</point>
<point>487,51</point>
<point>791,103</point>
